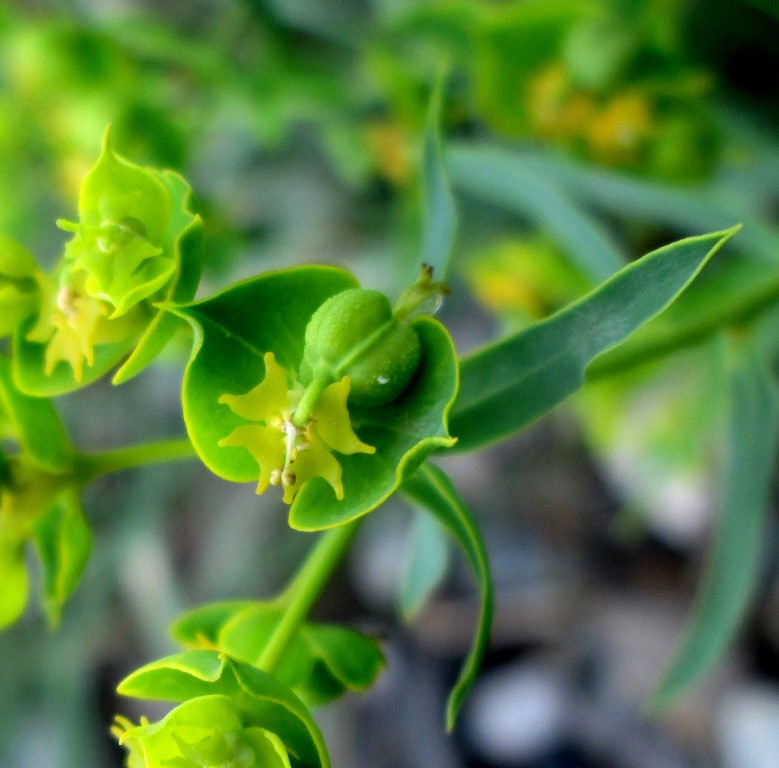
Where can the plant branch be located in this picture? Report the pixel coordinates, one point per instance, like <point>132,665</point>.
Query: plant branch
<point>305,588</point>
<point>93,465</point>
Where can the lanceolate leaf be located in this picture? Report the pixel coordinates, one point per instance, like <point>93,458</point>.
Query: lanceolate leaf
<point>498,177</point>
<point>733,568</point>
<point>686,209</point>
<point>508,384</point>
<point>440,215</point>
<point>260,699</point>
<point>35,423</point>
<point>430,489</point>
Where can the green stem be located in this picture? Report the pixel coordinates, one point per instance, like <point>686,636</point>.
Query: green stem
<point>93,465</point>
<point>305,588</point>
<point>305,407</point>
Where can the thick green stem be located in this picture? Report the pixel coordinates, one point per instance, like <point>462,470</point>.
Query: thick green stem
<point>305,588</point>
<point>91,466</point>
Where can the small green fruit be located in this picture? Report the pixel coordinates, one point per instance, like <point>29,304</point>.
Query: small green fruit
<point>354,334</point>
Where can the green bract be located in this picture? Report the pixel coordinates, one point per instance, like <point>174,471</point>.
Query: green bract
<point>229,710</point>
<point>234,397</point>
<point>320,663</point>
<point>136,243</point>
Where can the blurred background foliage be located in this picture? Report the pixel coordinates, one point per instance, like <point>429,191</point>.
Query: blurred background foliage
<point>579,134</point>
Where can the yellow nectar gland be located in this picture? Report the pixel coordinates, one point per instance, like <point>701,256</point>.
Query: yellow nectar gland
<point>288,455</point>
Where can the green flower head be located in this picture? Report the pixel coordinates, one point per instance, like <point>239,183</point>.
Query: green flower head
<point>300,378</point>
<point>136,243</point>
<point>204,732</point>
<point>119,241</point>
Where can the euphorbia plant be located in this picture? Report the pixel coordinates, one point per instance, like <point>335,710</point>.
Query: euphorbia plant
<point>298,378</point>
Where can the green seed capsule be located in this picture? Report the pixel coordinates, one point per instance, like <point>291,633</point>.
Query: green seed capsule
<point>354,334</point>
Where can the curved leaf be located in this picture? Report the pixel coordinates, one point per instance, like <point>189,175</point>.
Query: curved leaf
<point>731,575</point>
<point>200,627</point>
<point>431,490</point>
<point>508,384</point>
<point>233,332</point>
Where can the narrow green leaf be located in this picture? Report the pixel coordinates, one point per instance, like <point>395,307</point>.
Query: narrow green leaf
<point>14,587</point>
<point>731,575</point>
<point>431,490</point>
<point>689,209</point>
<point>440,214</point>
<point>501,178</point>
<point>64,540</point>
<point>427,562</point>
<point>35,423</point>
<point>508,384</point>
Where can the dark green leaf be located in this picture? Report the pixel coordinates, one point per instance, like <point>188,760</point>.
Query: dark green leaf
<point>431,490</point>
<point>508,384</point>
<point>689,209</point>
<point>731,575</point>
<point>319,663</point>
<point>500,178</point>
